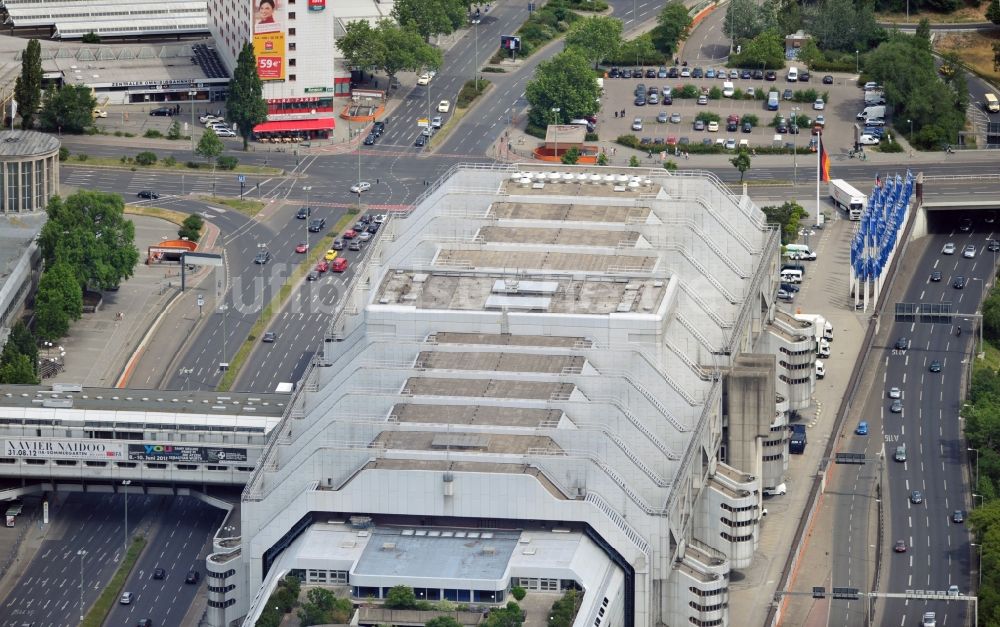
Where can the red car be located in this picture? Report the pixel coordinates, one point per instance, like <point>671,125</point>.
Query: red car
<point>322,266</point>
<point>301,248</point>
<point>350,234</point>
<point>338,265</point>
<point>900,547</point>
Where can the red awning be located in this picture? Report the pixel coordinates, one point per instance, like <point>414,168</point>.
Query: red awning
<point>284,126</point>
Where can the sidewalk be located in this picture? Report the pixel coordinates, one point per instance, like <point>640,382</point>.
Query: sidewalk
<point>101,344</point>
<point>824,291</point>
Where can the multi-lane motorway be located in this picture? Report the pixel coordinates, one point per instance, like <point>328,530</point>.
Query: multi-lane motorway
<point>937,553</point>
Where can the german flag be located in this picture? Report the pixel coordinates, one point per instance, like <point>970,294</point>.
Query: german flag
<point>824,162</point>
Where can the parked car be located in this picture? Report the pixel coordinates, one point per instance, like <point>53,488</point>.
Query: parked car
<point>828,80</point>
<point>162,112</point>
<point>868,140</point>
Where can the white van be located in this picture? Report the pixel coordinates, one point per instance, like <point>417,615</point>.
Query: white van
<point>791,276</point>
<point>793,74</point>
<point>728,90</point>
<point>799,251</point>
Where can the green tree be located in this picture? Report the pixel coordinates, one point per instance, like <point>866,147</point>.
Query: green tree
<point>387,47</point>
<point>191,227</point>
<point>23,341</point>
<point>69,109</point>
<point>431,17</point>
<point>400,598</point>
<point>28,86</point>
<point>564,82</point>
<point>322,607</point>
<point>672,26</point>
<point>89,232</point>
<point>245,104</point>
<point>19,369</point>
<point>764,50</point>
<point>209,146</point>
<point>58,302</point>
<point>993,12</point>
<point>564,609</point>
<point>602,159</point>
<point>744,21</point>
<point>509,616</point>
<point>787,216</point>
<point>90,38</point>
<point>571,156</point>
<point>741,162</point>
<point>174,132</point>
<point>443,621</point>
<point>844,25</point>
<point>923,33</point>
<point>597,38</point>
<point>145,158</point>
<point>633,162</point>
<point>640,51</point>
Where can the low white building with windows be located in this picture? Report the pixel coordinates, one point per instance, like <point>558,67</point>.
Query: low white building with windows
<point>525,386</point>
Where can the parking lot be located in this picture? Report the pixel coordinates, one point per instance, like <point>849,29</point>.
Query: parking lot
<point>845,100</point>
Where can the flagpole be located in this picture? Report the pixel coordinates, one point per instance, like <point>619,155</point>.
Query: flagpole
<point>819,172</point>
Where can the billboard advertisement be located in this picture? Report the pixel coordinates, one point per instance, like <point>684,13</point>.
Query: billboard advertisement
<point>63,449</point>
<point>269,39</point>
<point>190,454</point>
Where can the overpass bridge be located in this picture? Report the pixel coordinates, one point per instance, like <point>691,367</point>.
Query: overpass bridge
<point>68,438</point>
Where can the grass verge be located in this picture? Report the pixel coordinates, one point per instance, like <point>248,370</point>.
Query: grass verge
<point>991,360</point>
<point>109,597</point>
<point>272,308</point>
<point>965,14</point>
<point>973,49</point>
<point>247,207</point>
<point>112,162</point>
<point>456,117</point>
<point>156,212</point>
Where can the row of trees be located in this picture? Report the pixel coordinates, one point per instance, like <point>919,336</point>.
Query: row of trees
<point>68,109</point>
<point>564,88</point>
<point>86,242</point>
<point>905,67</point>
<point>390,48</point>
<point>835,25</point>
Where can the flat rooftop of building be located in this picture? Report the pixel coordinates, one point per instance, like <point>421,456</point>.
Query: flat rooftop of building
<point>487,415</point>
<point>500,362</point>
<point>112,63</point>
<point>558,236</point>
<point>23,144</point>
<point>497,444</point>
<point>172,401</point>
<point>508,339</point>
<point>546,260</point>
<point>562,294</point>
<point>563,212</point>
<point>487,388</point>
<point>17,230</point>
<point>447,465</point>
<point>459,554</point>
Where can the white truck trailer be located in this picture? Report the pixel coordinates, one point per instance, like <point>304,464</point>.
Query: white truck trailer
<point>847,198</point>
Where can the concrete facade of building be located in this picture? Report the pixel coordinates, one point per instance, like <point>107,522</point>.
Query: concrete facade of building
<point>29,171</point>
<point>303,73</point>
<point>525,352</point>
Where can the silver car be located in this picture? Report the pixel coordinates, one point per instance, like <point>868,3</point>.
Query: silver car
<point>949,249</point>
<point>895,393</point>
<point>969,252</point>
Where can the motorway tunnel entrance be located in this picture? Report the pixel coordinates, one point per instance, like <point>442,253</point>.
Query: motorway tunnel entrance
<point>960,217</point>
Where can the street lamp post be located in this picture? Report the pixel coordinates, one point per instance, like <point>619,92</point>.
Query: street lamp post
<point>857,61</point>
<point>555,118</point>
<point>261,248</point>
<point>910,122</point>
<point>191,95</point>
<point>475,68</point>
<point>81,553</point>
<point>307,189</point>
<point>977,464</point>
<point>795,148</point>
<point>979,564</point>
<point>125,484</point>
